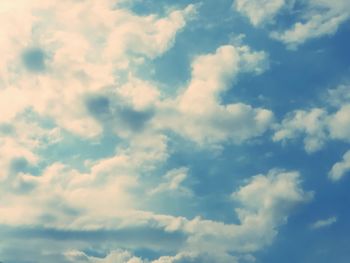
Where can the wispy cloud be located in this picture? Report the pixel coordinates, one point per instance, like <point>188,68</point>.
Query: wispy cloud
<point>324,222</point>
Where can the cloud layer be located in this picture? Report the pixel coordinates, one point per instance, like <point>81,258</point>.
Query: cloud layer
<point>104,159</point>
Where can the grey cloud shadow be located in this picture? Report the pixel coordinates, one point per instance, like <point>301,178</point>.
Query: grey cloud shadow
<point>116,113</point>
<point>129,238</point>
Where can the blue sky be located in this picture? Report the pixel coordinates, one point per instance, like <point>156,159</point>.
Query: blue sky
<point>139,131</point>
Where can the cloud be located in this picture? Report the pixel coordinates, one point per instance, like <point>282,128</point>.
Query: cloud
<point>260,12</point>
<point>72,69</point>
<point>81,203</point>
<point>340,169</point>
<point>321,18</point>
<point>173,182</point>
<point>312,124</point>
<point>78,56</point>
<point>11,150</point>
<point>317,26</point>
<point>324,223</point>
<point>339,124</point>
<point>119,256</point>
<point>198,114</point>
<point>113,257</point>
<point>314,18</point>
<point>265,202</point>
<point>106,180</point>
<point>318,125</point>
<point>338,96</point>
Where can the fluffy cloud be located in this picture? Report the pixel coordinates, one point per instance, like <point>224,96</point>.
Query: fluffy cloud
<point>198,113</point>
<point>316,18</point>
<point>340,169</point>
<point>74,65</point>
<point>119,256</point>
<point>107,180</point>
<point>320,18</point>
<point>80,76</point>
<point>318,125</point>
<point>65,55</point>
<point>265,203</point>
<point>259,12</point>
<point>311,123</point>
<point>339,124</point>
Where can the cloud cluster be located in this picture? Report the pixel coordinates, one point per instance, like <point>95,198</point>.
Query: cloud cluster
<point>341,168</point>
<point>318,125</point>
<point>65,55</point>
<point>265,203</point>
<point>71,70</point>
<point>198,113</point>
<point>110,197</point>
<point>316,18</point>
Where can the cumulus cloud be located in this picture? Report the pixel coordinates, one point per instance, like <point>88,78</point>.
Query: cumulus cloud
<point>311,123</point>
<point>119,256</point>
<point>198,113</point>
<point>20,143</point>
<point>321,18</point>
<point>314,18</point>
<point>341,168</point>
<point>74,66</point>
<point>74,204</point>
<point>65,55</point>
<point>339,124</point>
<point>259,12</point>
<point>318,125</point>
<point>103,189</point>
<point>265,202</point>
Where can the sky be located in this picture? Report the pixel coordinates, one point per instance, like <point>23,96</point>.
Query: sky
<point>140,131</point>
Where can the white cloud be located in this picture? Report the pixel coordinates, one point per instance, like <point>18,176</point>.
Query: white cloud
<point>340,169</point>
<point>126,257</point>
<point>117,256</point>
<point>11,150</point>
<point>318,125</point>
<point>198,113</point>
<point>86,48</point>
<point>104,189</point>
<point>316,18</point>
<point>321,18</point>
<point>339,124</point>
<point>324,222</point>
<point>82,55</point>
<point>338,96</point>
<point>259,11</point>
<point>312,124</point>
<point>316,25</point>
<point>173,182</point>
<point>265,203</point>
